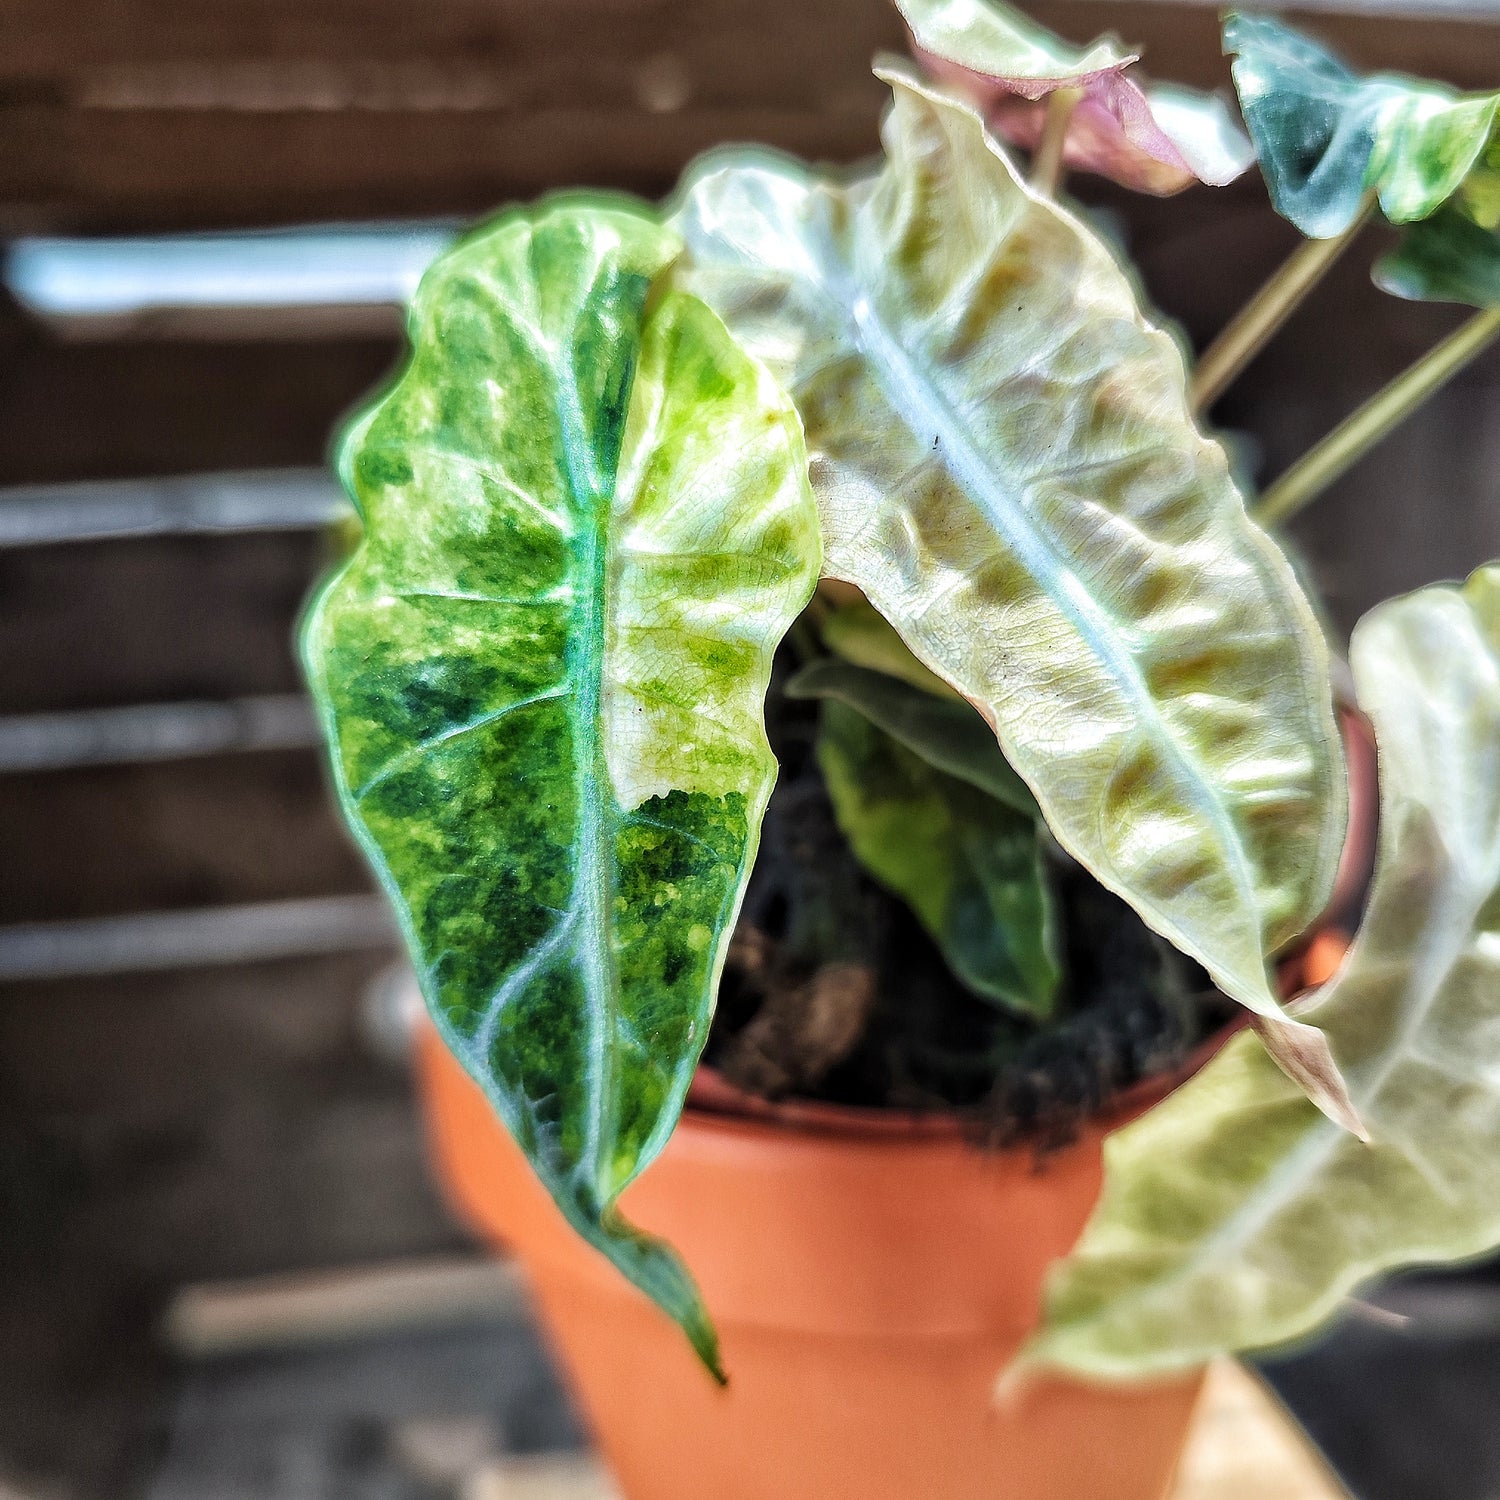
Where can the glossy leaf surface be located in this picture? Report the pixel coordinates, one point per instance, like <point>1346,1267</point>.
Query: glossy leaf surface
<point>969,866</point>
<point>1152,137</point>
<point>542,672</point>
<point>946,732</point>
<point>1326,136</point>
<point>1006,466</point>
<point>1234,1216</point>
<point>1447,258</point>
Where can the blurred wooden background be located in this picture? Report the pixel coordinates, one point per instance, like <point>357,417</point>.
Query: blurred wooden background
<point>218,1123</point>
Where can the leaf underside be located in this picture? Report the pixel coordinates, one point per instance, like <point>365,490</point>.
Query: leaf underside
<point>1234,1216</point>
<point>1326,136</point>
<point>1151,137</point>
<point>542,673</point>
<point>1005,465</point>
<point>862,636</point>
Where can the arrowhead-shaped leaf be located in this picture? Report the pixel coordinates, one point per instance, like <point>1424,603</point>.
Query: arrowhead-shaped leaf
<point>1006,466</point>
<point>1153,137</point>
<point>1326,135</point>
<point>1234,1216</point>
<point>1447,258</point>
<point>945,731</point>
<point>969,866</point>
<point>587,525</point>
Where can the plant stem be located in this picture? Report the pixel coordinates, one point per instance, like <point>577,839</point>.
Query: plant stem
<point>1047,163</point>
<point>1248,331</point>
<point>1387,409</point>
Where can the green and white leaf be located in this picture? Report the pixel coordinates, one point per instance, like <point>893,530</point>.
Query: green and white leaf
<point>969,866</point>
<point>996,41</point>
<point>946,732</point>
<point>587,526</point>
<point>1234,1216</point>
<point>1326,136</point>
<point>1006,466</point>
<point>1447,258</point>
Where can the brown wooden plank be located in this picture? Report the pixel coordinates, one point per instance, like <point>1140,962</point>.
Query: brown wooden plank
<point>169,113</point>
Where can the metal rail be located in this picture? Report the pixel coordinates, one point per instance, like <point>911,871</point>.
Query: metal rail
<point>148,941</point>
<point>180,505</point>
<point>155,731</point>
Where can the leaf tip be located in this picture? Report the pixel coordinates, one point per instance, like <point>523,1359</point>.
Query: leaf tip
<point>1302,1052</point>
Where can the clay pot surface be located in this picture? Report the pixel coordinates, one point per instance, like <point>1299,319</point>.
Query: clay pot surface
<point>869,1277</point>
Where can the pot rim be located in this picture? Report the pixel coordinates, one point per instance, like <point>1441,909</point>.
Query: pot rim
<point>715,1102</point>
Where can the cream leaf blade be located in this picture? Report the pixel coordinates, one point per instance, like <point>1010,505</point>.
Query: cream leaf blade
<point>1234,1216</point>
<point>542,673</point>
<point>1005,465</point>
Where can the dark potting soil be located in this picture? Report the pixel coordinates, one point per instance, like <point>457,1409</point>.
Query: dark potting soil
<point>833,990</point>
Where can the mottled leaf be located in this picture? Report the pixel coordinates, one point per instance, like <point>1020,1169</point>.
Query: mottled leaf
<point>969,866</point>
<point>542,672</point>
<point>1006,466</point>
<point>1326,135</point>
<point>946,732</point>
<point>1156,138</point>
<point>1447,258</point>
<point>1234,1216</point>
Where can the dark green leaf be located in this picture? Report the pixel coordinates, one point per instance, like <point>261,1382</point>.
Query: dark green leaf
<point>967,865</point>
<point>1447,258</point>
<point>946,732</point>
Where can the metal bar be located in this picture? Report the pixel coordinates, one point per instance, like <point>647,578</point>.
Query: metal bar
<point>155,731</point>
<point>214,1319</point>
<point>180,505</point>
<point>151,284</point>
<point>152,941</point>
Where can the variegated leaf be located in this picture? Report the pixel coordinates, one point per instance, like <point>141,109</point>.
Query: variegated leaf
<point>1326,136</point>
<point>1006,466</point>
<point>995,44</point>
<point>1156,138</point>
<point>587,525</point>
<point>1234,1216</point>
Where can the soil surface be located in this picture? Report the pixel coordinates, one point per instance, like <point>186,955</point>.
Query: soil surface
<point>833,990</point>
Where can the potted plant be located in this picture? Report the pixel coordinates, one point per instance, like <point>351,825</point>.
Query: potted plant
<point>889,476</point>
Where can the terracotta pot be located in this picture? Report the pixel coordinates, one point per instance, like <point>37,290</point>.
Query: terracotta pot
<point>870,1276</point>
<point>869,1273</point>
